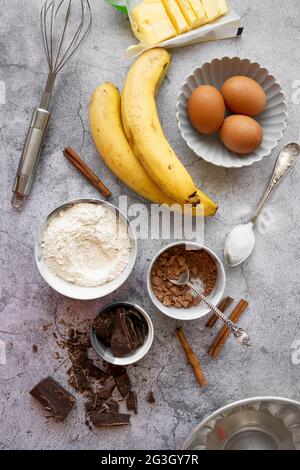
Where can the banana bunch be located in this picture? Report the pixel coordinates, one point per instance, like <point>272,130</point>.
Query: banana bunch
<point>130,140</point>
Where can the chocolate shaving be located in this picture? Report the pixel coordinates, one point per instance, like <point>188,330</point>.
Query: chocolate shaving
<point>150,397</point>
<point>78,380</point>
<point>111,406</point>
<point>123,384</point>
<point>131,402</point>
<point>105,393</point>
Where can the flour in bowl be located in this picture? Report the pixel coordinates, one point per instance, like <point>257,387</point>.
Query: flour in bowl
<point>86,244</point>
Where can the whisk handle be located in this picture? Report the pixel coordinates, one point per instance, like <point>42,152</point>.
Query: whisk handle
<point>30,156</point>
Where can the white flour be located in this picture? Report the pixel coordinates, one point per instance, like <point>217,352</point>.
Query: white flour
<point>86,244</point>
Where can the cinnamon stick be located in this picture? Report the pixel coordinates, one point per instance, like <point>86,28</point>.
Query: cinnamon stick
<point>223,307</point>
<point>191,357</point>
<point>86,171</point>
<point>217,346</point>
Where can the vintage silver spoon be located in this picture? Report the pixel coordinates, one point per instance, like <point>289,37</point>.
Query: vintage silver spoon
<point>240,334</point>
<point>240,241</point>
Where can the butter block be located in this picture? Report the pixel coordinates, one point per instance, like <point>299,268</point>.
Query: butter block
<point>176,16</point>
<point>223,7</point>
<point>151,23</point>
<point>211,8</point>
<point>188,13</point>
<point>198,9</point>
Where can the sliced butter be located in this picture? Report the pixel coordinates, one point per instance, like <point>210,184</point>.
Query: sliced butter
<point>151,23</point>
<point>176,16</point>
<point>212,9</point>
<point>188,13</point>
<point>223,7</point>
<point>198,10</point>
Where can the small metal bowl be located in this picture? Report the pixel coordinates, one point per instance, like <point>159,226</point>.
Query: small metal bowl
<point>260,423</point>
<point>192,313</point>
<point>105,352</point>
<point>72,290</point>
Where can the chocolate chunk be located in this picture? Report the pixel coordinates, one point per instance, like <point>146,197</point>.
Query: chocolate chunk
<point>78,357</point>
<point>34,348</point>
<point>123,329</point>
<point>109,419</point>
<point>150,398</point>
<point>123,384</point>
<point>131,402</point>
<point>103,325</point>
<point>124,338</point>
<point>111,406</point>
<point>78,380</point>
<point>105,393</point>
<point>95,372</point>
<point>55,399</point>
<point>115,370</point>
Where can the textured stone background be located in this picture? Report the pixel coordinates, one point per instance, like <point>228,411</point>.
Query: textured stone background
<point>269,280</point>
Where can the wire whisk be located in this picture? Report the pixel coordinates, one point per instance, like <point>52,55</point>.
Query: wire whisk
<point>49,17</point>
<point>65,25</point>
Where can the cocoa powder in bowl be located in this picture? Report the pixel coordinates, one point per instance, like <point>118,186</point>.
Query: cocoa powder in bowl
<point>170,264</point>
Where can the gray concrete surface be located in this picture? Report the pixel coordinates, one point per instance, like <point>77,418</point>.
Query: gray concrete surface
<point>269,280</point>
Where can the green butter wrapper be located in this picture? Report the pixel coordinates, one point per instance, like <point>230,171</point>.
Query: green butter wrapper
<point>118,4</point>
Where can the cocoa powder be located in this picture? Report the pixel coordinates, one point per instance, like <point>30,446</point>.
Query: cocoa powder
<point>171,264</point>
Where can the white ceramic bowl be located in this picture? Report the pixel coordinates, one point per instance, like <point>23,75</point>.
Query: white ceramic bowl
<point>200,310</point>
<point>69,289</point>
<point>105,352</point>
<point>272,119</point>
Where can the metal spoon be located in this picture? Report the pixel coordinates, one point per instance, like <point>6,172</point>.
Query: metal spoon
<point>244,232</point>
<point>240,334</point>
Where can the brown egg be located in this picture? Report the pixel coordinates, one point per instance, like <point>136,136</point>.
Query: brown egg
<point>206,109</point>
<point>243,95</point>
<point>241,134</point>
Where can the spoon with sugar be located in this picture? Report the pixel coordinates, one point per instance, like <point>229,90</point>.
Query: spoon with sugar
<point>240,241</point>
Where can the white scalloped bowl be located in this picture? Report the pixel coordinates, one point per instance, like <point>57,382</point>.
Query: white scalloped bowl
<point>272,119</point>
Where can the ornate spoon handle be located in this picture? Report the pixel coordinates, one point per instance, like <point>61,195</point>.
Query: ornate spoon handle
<point>286,160</point>
<point>239,333</point>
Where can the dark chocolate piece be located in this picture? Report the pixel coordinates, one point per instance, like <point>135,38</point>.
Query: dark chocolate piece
<point>150,398</point>
<point>124,338</point>
<point>115,370</point>
<point>78,380</point>
<point>109,419</point>
<point>78,357</point>
<point>123,384</point>
<point>105,393</point>
<point>103,326</point>
<point>34,348</point>
<point>95,372</point>
<point>131,402</point>
<point>55,399</point>
<point>111,406</point>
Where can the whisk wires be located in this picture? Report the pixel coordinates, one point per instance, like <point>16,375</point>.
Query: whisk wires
<point>56,14</point>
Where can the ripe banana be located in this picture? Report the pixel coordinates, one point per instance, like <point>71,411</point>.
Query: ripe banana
<point>144,131</point>
<point>113,147</point>
<point>112,144</point>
